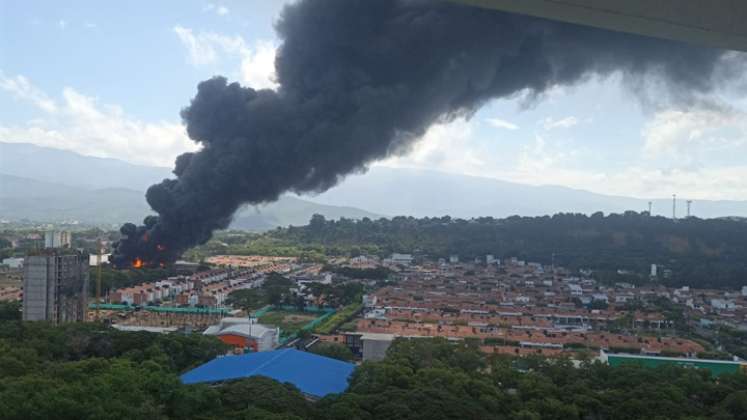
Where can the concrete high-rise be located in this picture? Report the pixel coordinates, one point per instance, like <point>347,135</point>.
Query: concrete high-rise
<point>57,239</point>
<point>55,286</point>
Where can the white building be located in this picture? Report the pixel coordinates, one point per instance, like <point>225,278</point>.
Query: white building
<point>653,270</point>
<point>600,297</point>
<point>265,337</point>
<point>722,304</point>
<point>93,259</point>
<point>623,298</point>
<point>523,299</point>
<point>17,262</point>
<point>404,259</point>
<point>327,278</point>
<point>744,291</point>
<point>454,259</point>
<point>57,239</point>
<point>376,313</point>
<point>369,301</point>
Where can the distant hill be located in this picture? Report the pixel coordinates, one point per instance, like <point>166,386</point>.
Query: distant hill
<point>292,211</point>
<point>382,191</point>
<point>46,184</point>
<point>23,198</point>
<point>73,169</point>
<point>421,193</point>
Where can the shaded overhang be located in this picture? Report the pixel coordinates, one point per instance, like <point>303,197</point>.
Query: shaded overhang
<point>711,23</point>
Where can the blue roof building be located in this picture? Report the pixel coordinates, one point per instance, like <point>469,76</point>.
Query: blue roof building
<point>314,375</point>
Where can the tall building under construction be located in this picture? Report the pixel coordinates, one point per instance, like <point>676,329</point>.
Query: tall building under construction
<point>55,286</point>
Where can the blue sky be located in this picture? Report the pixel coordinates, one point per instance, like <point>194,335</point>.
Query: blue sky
<point>109,79</point>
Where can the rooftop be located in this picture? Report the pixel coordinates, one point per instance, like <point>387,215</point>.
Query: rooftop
<point>312,374</point>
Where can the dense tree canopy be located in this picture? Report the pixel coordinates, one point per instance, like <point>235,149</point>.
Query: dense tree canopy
<point>333,350</point>
<point>699,253</point>
<point>89,371</point>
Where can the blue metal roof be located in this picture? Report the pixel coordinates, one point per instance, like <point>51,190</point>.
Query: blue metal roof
<point>312,374</point>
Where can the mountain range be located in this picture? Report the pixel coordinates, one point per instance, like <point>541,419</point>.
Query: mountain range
<point>429,193</point>
<point>51,185</point>
<point>46,184</point>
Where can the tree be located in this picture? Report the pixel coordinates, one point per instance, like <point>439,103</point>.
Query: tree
<point>317,223</point>
<point>246,299</point>
<point>333,350</point>
<point>10,311</point>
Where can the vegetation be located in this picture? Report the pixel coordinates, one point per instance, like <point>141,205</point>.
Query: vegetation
<point>378,273</point>
<point>290,322</point>
<point>112,279</point>
<point>274,291</point>
<point>343,315</point>
<point>246,243</point>
<point>333,350</point>
<point>246,299</point>
<point>699,253</point>
<point>339,294</point>
<point>433,379</point>
<point>10,311</point>
<point>89,371</point>
<point>733,341</point>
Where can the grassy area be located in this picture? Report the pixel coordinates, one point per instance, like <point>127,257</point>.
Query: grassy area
<point>288,321</point>
<point>336,320</point>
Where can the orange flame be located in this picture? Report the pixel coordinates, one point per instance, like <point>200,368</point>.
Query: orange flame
<point>138,263</point>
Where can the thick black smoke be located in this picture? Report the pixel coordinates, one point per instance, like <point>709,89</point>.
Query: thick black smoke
<point>360,80</point>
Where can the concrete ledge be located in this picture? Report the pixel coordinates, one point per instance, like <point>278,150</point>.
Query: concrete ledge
<point>712,23</point>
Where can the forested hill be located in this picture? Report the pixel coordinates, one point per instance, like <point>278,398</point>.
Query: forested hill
<point>699,252</point>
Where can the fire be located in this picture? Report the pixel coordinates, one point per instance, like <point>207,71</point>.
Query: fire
<point>138,263</point>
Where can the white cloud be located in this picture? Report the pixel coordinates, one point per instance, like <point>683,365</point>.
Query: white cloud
<point>536,158</point>
<point>257,62</point>
<point>62,24</point>
<point>218,9</point>
<point>205,47</point>
<point>550,123</point>
<point>499,123</point>
<point>258,66</point>
<point>90,25</point>
<point>444,147</point>
<point>80,123</point>
<point>453,148</point>
<point>687,134</point>
<point>21,88</point>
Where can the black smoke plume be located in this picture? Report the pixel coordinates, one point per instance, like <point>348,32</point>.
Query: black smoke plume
<point>360,80</point>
